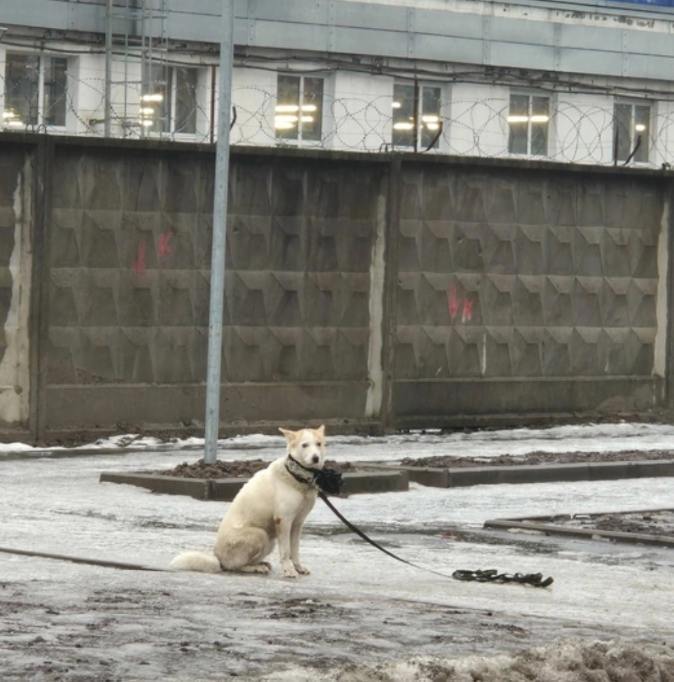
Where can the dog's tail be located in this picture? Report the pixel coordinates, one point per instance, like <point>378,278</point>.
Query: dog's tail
<point>196,561</point>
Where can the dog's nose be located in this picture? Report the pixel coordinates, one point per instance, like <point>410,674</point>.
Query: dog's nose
<point>315,459</point>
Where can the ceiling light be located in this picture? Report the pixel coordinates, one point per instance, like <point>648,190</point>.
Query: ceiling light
<point>403,125</point>
<point>517,119</point>
<point>284,125</point>
<point>148,111</point>
<point>396,105</point>
<point>430,118</point>
<point>640,127</point>
<point>286,108</point>
<point>309,107</point>
<point>540,118</point>
<point>153,97</point>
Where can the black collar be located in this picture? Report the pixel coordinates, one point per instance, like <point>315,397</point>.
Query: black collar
<point>300,473</point>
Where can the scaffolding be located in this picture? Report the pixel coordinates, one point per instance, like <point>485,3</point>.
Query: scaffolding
<point>136,32</point>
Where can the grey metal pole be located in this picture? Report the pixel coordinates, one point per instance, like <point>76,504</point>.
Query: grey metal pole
<point>108,69</point>
<point>218,248</point>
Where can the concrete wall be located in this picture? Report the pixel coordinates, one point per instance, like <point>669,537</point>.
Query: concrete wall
<point>525,292</point>
<point>364,291</point>
<point>16,229</point>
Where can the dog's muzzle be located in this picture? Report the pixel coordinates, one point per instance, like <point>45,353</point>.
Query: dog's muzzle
<point>327,480</point>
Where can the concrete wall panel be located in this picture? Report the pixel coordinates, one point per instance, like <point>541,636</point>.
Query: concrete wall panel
<point>507,276</point>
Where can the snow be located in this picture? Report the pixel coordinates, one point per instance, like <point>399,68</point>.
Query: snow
<point>518,442</point>
<point>358,607</point>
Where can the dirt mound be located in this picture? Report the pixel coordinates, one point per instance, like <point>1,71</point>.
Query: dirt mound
<point>232,469</point>
<point>566,662</point>
<point>539,458</point>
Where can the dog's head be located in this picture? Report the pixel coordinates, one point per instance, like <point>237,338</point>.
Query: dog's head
<point>307,446</point>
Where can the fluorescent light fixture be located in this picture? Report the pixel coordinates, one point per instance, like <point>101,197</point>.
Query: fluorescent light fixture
<point>147,111</point>
<point>403,125</point>
<point>430,118</point>
<point>396,105</point>
<point>146,123</point>
<point>285,118</point>
<point>15,123</point>
<point>517,119</point>
<point>433,125</point>
<point>640,127</point>
<point>284,125</point>
<point>153,97</point>
<point>540,118</point>
<point>309,107</point>
<point>286,108</point>
<point>306,119</point>
<point>6,115</point>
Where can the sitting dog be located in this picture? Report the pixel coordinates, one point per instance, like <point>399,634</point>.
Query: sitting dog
<point>272,506</point>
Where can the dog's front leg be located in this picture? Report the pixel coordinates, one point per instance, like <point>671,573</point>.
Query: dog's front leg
<point>295,534</point>
<point>283,528</point>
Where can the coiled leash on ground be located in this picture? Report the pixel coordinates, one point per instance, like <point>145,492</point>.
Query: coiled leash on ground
<point>334,480</point>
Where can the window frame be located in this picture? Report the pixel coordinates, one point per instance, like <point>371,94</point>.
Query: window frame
<point>418,115</point>
<point>41,112</point>
<point>168,89</point>
<point>531,95</point>
<point>300,138</point>
<point>633,104</point>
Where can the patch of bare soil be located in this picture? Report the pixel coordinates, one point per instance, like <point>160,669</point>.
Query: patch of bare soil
<point>539,458</point>
<point>233,469</point>
<point>652,522</point>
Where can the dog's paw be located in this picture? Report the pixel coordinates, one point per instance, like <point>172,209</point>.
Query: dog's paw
<point>289,571</point>
<point>262,568</point>
<point>301,570</point>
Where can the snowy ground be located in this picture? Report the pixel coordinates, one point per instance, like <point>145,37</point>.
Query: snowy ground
<point>359,608</point>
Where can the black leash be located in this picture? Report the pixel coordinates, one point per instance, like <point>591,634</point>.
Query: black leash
<point>482,576</point>
<point>79,560</point>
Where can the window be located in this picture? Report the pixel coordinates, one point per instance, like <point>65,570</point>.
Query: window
<point>631,131</point>
<point>299,108</point>
<point>169,102</point>
<point>416,115</point>
<point>35,90</point>
<point>528,123</point>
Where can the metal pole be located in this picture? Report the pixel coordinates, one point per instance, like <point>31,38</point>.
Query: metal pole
<point>219,234</point>
<point>108,68</point>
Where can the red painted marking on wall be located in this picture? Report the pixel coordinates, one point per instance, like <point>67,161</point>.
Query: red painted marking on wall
<point>165,248</point>
<point>458,303</point>
<point>452,302</point>
<point>139,264</point>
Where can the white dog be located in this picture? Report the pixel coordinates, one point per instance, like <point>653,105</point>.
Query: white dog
<point>273,505</point>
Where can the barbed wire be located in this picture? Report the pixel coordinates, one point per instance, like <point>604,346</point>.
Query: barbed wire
<point>574,128</point>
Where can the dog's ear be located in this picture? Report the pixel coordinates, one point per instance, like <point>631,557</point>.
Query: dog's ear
<point>320,430</point>
<point>291,436</point>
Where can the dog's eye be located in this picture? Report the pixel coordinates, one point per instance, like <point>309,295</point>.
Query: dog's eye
<point>320,445</point>
<point>305,445</point>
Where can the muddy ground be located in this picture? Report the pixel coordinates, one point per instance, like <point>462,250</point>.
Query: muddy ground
<point>232,469</point>
<point>538,458</point>
<point>246,468</point>
<point>659,523</point>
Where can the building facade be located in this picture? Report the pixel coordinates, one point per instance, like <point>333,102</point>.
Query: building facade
<point>581,82</point>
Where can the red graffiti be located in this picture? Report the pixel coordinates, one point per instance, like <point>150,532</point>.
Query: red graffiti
<point>139,264</point>
<point>165,248</point>
<point>456,304</point>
